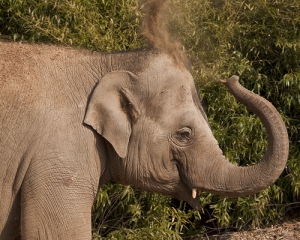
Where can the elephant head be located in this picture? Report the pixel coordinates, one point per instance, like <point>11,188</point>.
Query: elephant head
<point>158,137</point>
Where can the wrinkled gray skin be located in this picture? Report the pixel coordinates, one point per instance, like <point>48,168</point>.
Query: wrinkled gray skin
<point>72,120</point>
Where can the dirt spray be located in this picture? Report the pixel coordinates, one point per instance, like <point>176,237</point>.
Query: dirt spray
<point>155,30</point>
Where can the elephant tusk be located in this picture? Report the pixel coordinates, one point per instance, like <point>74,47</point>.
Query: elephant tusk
<point>194,193</point>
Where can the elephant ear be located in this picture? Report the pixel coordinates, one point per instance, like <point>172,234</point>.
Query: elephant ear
<point>111,108</point>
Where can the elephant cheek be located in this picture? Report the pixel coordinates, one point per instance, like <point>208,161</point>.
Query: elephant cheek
<point>186,165</point>
<point>163,171</point>
<point>192,167</point>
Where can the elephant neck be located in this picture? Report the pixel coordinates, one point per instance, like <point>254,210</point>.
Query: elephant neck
<point>118,170</point>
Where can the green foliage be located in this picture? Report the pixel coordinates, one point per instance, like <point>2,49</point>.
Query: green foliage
<point>103,25</point>
<point>257,40</point>
<point>123,213</point>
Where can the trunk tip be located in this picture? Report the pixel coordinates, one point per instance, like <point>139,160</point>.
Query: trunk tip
<point>233,79</point>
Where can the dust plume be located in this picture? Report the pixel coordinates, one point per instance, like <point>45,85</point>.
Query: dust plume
<point>155,30</point>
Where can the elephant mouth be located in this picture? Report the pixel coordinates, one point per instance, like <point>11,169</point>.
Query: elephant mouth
<point>191,196</point>
<point>187,193</point>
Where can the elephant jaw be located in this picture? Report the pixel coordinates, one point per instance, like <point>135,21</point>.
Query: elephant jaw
<point>191,197</point>
<point>193,201</point>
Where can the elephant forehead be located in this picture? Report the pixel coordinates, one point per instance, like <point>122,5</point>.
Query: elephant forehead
<point>164,85</point>
<point>162,68</point>
<point>172,103</point>
<point>174,96</point>
<point>170,81</point>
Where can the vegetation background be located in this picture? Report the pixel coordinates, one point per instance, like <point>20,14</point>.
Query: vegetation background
<point>259,40</point>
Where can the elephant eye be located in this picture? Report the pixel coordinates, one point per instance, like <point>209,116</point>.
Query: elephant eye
<point>184,135</point>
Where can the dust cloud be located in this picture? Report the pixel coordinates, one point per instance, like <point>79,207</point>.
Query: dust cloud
<point>155,30</point>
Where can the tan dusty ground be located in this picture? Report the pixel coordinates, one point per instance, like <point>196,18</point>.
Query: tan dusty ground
<point>287,230</point>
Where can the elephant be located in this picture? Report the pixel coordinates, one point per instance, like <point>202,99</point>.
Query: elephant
<point>72,120</point>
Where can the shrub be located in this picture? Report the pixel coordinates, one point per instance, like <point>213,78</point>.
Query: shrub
<point>103,25</point>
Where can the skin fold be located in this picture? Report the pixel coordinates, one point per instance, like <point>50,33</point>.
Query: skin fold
<point>71,120</point>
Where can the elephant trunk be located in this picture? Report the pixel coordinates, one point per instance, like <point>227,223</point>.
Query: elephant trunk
<point>234,181</point>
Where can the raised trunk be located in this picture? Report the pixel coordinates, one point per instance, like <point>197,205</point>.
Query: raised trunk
<point>235,181</point>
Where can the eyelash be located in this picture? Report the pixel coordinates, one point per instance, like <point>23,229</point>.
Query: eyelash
<point>183,135</point>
